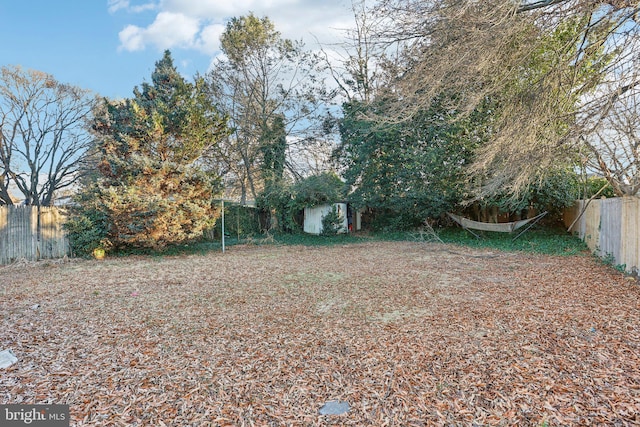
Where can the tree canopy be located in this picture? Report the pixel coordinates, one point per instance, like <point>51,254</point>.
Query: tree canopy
<point>584,55</point>
<point>410,170</point>
<point>264,80</point>
<point>152,188</point>
<point>43,135</point>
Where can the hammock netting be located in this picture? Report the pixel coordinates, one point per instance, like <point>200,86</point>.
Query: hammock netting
<point>503,227</point>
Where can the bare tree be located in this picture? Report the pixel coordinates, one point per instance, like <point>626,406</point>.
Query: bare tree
<point>43,134</point>
<point>260,77</point>
<point>614,144</point>
<point>356,63</point>
<point>553,69</point>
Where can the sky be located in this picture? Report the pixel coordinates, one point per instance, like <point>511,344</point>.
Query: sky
<point>111,46</point>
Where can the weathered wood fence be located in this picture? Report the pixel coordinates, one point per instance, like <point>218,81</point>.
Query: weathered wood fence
<point>610,227</point>
<point>27,232</point>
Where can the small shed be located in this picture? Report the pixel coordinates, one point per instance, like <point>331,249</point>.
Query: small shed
<point>313,217</point>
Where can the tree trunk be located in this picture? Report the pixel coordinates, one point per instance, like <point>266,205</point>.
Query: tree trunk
<point>5,198</point>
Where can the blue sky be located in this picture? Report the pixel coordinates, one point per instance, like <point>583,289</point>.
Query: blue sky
<point>110,46</point>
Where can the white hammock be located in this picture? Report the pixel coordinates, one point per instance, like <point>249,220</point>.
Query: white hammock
<point>502,227</point>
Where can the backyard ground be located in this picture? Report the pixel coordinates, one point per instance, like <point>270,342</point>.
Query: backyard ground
<point>407,333</point>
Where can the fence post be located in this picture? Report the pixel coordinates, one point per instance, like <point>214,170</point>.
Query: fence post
<point>222,225</point>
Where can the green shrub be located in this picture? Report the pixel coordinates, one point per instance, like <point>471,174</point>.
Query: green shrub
<point>539,240</point>
<point>317,190</point>
<point>332,222</point>
<point>239,221</point>
<point>87,231</point>
<point>595,184</point>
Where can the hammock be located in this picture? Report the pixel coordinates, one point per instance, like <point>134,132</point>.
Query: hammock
<point>503,227</point>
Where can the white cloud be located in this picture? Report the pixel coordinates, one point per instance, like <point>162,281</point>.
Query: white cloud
<point>198,24</point>
<point>116,5</point>
<point>209,38</point>
<point>173,29</point>
<point>143,7</point>
<point>205,8</point>
<point>167,31</point>
<point>131,38</point>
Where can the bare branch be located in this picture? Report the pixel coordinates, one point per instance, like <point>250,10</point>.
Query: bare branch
<point>43,134</point>
<point>526,7</point>
<point>553,73</point>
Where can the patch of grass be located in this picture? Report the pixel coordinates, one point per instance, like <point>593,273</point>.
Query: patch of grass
<point>341,239</point>
<point>547,241</point>
<point>610,260</point>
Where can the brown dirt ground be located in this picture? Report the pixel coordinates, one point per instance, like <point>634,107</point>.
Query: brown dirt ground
<point>409,334</point>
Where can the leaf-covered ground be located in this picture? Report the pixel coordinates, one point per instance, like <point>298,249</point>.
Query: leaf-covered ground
<point>409,334</point>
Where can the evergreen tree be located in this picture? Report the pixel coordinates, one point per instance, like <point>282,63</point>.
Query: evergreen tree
<point>276,196</point>
<point>151,188</point>
<point>407,171</point>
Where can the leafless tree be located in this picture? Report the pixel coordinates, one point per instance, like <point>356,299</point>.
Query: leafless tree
<point>356,64</point>
<point>262,76</point>
<point>481,50</point>
<point>614,144</point>
<point>43,134</point>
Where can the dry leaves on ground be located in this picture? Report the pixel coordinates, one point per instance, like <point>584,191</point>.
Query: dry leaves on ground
<point>408,334</point>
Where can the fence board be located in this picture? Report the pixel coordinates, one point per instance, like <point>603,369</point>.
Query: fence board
<point>591,226</point>
<point>4,240</point>
<point>610,227</point>
<point>22,236</point>
<point>610,236</point>
<point>630,230</point>
<point>53,240</point>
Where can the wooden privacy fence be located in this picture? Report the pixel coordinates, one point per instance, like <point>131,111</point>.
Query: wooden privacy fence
<point>610,227</point>
<point>23,236</point>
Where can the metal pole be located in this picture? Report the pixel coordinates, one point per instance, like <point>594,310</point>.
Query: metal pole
<point>222,225</point>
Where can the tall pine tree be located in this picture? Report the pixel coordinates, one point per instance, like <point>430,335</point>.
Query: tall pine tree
<point>150,188</point>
